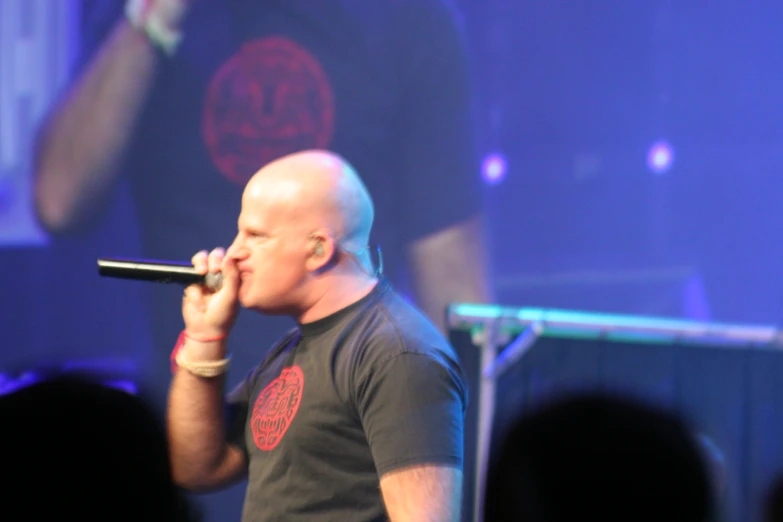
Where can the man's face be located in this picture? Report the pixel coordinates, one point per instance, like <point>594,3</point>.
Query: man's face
<point>270,250</point>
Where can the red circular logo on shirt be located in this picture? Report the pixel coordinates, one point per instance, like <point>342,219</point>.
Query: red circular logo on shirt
<point>276,408</point>
<point>270,99</point>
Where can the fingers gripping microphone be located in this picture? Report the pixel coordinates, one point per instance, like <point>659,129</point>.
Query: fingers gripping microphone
<point>157,272</point>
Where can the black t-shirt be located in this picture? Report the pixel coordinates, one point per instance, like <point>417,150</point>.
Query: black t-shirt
<point>341,401</point>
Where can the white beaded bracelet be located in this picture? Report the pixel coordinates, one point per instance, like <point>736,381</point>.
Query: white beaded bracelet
<point>203,368</point>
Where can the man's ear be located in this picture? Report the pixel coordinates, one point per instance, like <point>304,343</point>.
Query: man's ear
<point>322,251</point>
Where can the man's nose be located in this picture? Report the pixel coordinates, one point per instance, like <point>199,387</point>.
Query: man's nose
<point>236,250</point>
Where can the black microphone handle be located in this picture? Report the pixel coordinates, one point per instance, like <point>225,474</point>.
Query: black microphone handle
<point>157,271</point>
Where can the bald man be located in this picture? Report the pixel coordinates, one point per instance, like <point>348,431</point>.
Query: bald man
<point>354,415</point>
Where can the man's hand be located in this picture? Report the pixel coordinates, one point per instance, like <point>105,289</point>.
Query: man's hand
<point>208,313</point>
<point>161,20</point>
<point>168,13</point>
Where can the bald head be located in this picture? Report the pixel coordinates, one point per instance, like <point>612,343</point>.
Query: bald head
<point>317,189</point>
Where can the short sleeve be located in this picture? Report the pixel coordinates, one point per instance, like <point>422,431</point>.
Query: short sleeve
<point>441,184</point>
<point>412,410</point>
<point>96,21</point>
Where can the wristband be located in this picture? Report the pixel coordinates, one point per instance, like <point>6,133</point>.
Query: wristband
<point>175,352</point>
<point>202,368</point>
<point>144,17</point>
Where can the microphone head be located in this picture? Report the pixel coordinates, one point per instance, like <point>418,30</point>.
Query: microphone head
<point>214,280</point>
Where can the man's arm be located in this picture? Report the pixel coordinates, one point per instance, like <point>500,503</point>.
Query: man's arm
<point>450,266</point>
<point>201,457</point>
<point>412,409</point>
<point>82,140</point>
<point>423,493</point>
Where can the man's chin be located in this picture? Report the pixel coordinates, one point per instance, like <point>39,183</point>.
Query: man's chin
<point>265,308</point>
<point>256,305</point>
<point>246,301</point>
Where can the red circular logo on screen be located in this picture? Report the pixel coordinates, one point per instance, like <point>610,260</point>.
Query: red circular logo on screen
<point>270,99</point>
<point>276,408</point>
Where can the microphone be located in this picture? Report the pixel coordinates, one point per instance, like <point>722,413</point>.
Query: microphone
<point>157,272</point>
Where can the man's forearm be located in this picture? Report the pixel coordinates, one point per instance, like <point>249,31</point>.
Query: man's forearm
<point>451,266</point>
<point>85,136</point>
<point>200,455</point>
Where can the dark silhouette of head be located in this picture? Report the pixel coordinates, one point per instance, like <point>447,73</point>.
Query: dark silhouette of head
<point>596,457</point>
<point>773,500</point>
<point>73,448</point>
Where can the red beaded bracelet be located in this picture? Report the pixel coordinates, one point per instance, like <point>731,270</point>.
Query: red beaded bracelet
<point>181,342</point>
